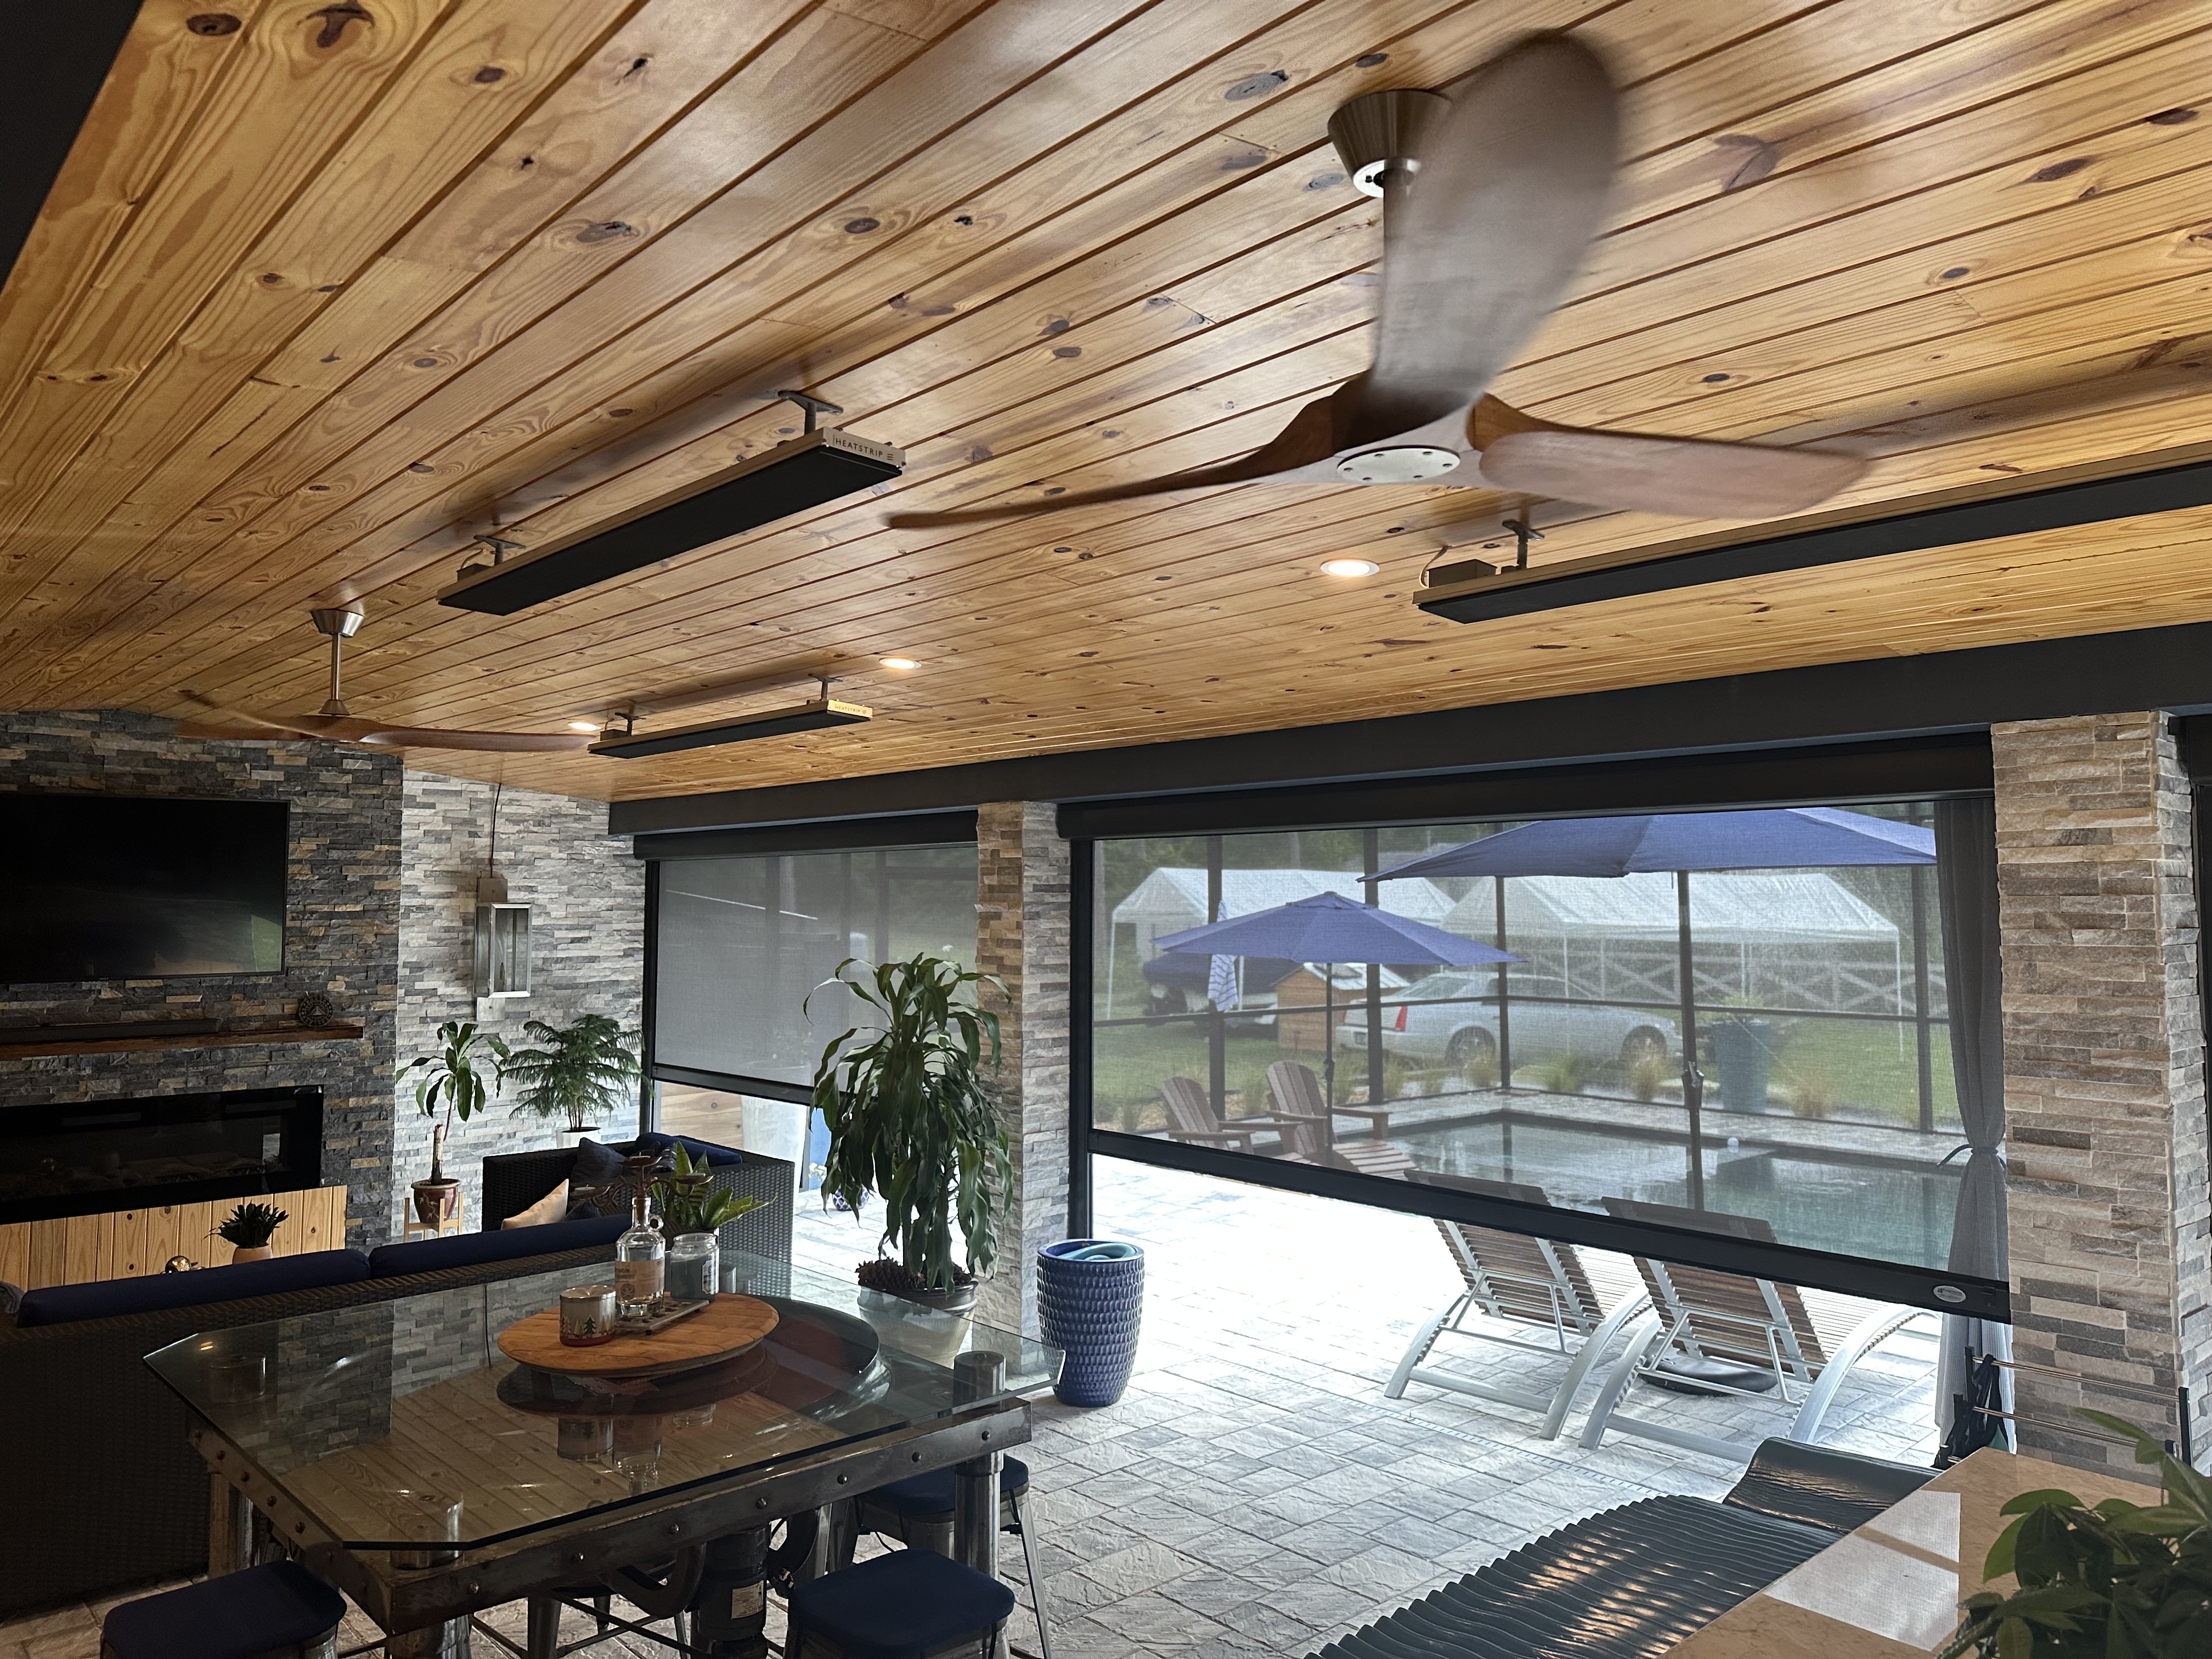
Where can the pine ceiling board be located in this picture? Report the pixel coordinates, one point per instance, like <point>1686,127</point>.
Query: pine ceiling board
<point>638,79</point>
<point>291,91</point>
<point>405,448</point>
<point>1255,560</point>
<point>482,70</point>
<point>1990,165</point>
<point>1207,547</point>
<point>152,93</point>
<point>2156,228</point>
<point>770,90</point>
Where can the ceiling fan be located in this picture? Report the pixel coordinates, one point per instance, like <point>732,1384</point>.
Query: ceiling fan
<point>1490,197</point>
<point>339,724</point>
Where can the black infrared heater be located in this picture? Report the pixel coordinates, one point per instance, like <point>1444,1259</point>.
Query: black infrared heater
<point>799,473</point>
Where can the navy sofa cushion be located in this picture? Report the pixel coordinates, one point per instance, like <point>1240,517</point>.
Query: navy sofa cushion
<point>899,1606</point>
<point>717,1157</point>
<point>429,1256</point>
<point>108,1298</point>
<point>282,1605</point>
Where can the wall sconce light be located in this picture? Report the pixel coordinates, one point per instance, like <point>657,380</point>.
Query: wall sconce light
<point>502,941</point>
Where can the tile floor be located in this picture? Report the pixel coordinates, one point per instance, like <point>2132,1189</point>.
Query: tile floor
<point>1253,1492</point>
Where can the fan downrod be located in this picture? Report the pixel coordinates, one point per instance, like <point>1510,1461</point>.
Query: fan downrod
<point>338,624</point>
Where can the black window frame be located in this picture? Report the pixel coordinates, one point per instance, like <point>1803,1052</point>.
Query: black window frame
<point>884,834</point>
<point>1953,768</point>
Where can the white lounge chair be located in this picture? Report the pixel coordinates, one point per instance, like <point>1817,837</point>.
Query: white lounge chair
<point>1515,1278</point>
<point>1720,1333</point>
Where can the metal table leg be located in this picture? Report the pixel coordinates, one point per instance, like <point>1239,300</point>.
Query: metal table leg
<point>978,1376</point>
<point>230,1528</point>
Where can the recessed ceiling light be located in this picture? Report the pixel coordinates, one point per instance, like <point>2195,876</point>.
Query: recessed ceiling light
<point>583,726</point>
<point>1349,567</point>
<point>900,663</point>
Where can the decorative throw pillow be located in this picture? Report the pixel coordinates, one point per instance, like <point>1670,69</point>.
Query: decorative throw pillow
<point>553,1206</point>
<point>597,1166</point>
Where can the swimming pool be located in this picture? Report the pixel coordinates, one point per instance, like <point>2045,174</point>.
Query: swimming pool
<point>1881,1210</point>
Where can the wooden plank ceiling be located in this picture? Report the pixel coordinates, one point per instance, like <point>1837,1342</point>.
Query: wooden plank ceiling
<point>320,297</point>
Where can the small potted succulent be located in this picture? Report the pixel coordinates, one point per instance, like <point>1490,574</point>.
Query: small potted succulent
<point>248,1230</point>
<point>453,1081</point>
<point>585,1071</point>
<point>912,1119</point>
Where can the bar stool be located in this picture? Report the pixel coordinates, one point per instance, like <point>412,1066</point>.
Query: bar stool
<point>918,1512</point>
<point>280,1611</point>
<point>905,1604</point>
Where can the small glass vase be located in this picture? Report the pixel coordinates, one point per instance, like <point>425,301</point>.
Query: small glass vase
<point>694,1266</point>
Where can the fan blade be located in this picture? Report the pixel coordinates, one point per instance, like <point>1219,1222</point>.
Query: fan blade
<point>256,732</point>
<point>505,743</point>
<point>1311,437</point>
<point>244,723</point>
<point>1689,477</point>
<point>335,728</point>
<point>1479,245</point>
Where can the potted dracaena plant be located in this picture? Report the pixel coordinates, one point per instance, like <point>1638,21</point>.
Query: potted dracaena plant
<point>2115,1580</point>
<point>454,1082</point>
<point>248,1229</point>
<point>578,1072</point>
<point>912,1119</point>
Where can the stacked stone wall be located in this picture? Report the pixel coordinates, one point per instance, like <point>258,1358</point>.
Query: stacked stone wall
<point>2104,1078</point>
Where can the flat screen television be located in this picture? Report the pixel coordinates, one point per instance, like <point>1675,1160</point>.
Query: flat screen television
<point>121,887</point>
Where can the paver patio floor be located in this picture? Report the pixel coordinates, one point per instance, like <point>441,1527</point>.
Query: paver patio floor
<point>1253,1492</point>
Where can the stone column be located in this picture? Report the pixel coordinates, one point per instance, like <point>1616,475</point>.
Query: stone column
<point>2103,1077</point>
<point>1022,927</point>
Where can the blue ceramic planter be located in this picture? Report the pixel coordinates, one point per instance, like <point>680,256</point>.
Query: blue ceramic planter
<point>1091,1299</point>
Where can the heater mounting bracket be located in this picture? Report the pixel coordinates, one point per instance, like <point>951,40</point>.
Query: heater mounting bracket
<point>814,407</point>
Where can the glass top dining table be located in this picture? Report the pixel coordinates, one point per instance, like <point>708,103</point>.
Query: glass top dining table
<point>399,1424</point>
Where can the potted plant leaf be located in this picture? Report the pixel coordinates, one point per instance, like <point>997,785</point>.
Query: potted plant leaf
<point>2115,1580</point>
<point>586,1069</point>
<point>912,1119</point>
<point>454,1081</point>
<point>690,1204</point>
<point>248,1230</point>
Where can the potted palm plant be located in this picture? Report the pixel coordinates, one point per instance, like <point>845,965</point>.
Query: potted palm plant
<point>453,1081</point>
<point>912,1119</point>
<point>585,1069</point>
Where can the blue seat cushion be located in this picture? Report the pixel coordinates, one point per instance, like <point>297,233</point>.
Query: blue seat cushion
<point>899,1606</point>
<point>922,1497</point>
<point>235,1616</point>
<point>717,1157</point>
<point>430,1256</point>
<point>111,1298</point>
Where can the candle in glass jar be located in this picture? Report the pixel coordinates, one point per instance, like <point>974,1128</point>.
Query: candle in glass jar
<point>587,1315</point>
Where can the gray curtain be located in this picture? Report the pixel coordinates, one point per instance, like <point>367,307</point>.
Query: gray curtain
<point>1966,885</point>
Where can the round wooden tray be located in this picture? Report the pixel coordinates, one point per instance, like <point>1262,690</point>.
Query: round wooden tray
<point>723,1331</point>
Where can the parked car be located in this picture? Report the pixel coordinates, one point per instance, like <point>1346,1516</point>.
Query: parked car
<point>1426,1029</point>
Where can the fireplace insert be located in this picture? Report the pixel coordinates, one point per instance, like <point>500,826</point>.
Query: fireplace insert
<point>91,1157</point>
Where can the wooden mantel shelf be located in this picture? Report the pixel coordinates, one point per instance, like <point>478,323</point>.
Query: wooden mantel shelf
<point>154,1044</point>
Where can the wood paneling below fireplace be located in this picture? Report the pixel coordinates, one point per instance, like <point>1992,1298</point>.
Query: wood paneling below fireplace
<point>78,1249</point>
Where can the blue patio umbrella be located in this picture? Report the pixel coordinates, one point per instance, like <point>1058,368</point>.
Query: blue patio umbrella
<point>1775,838</point>
<point>1329,928</point>
<point>1783,838</point>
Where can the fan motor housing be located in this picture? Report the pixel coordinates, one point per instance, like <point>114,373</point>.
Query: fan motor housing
<point>1378,133</point>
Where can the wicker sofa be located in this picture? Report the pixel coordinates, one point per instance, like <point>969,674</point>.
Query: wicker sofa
<point>512,1181</point>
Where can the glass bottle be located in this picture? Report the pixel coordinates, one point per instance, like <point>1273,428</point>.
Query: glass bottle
<point>641,1259</point>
